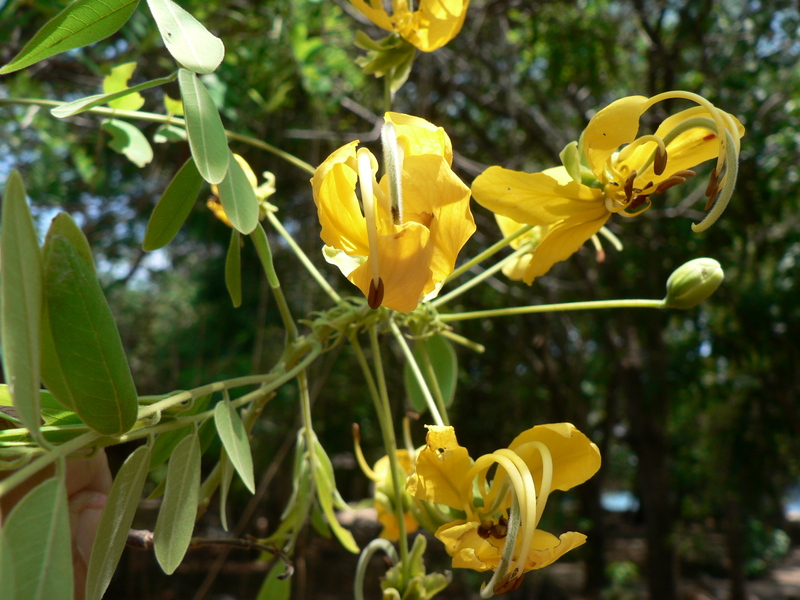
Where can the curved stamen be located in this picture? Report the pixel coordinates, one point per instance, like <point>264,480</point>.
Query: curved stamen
<point>525,491</point>
<point>368,201</point>
<point>729,182</point>
<point>659,155</point>
<point>365,468</point>
<point>393,160</point>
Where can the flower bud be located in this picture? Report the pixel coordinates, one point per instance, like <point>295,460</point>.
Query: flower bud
<point>693,282</point>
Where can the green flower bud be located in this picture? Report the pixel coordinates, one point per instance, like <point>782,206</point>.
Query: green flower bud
<point>693,282</point>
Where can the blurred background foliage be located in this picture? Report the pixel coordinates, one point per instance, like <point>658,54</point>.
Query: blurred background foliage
<point>696,412</point>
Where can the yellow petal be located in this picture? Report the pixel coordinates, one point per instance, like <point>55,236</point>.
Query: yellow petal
<point>418,136</point>
<point>533,198</point>
<point>575,457</point>
<point>375,12</point>
<point>613,126</point>
<point>563,239</point>
<point>216,207</point>
<point>468,549</point>
<point>441,468</point>
<point>547,548</point>
<point>436,23</point>
<point>404,260</point>
<point>388,519</point>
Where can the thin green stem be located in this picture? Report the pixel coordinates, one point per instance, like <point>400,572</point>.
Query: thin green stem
<point>437,416</point>
<point>363,563</point>
<point>387,432</point>
<point>308,428</point>
<point>313,271</point>
<point>157,118</point>
<point>481,277</point>
<point>47,459</point>
<point>540,308</point>
<point>434,387</point>
<point>492,250</point>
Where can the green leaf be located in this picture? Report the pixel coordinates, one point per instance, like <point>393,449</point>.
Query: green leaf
<point>239,198</point>
<point>234,439</point>
<point>92,376</point>
<point>326,494</point>
<point>38,531</point>
<point>81,23</point>
<point>174,207</point>
<point>226,476</point>
<point>78,106</point>
<point>261,242</point>
<point>277,584</point>
<point>21,300</point>
<point>445,365</point>
<point>233,269</point>
<point>175,521</point>
<point>189,43</point>
<point>64,225</point>
<point>7,579</point>
<point>117,81</point>
<point>128,141</point>
<point>112,532</point>
<point>166,442</point>
<point>207,138</point>
<point>169,133</point>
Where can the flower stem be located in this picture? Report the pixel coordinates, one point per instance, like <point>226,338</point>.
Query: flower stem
<point>434,387</point>
<point>313,271</point>
<point>492,250</point>
<point>540,308</point>
<point>437,416</point>
<point>157,118</point>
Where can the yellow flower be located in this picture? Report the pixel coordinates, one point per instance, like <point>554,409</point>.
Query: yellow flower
<point>263,191</point>
<point>431,26</point>
<point>499,531</point>
<point>612,171</point>
<point>400,238</point>
<point>384,492</point>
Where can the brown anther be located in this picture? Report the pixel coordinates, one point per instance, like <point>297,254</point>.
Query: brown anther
<point>500,529</point>
<point>601,255</point>
<point>375,296</point>
<point>668,183</point>
<point>713,180</point>
<point>509,582</point>
<point>484,531</point>
<point>685,173</point>
<point>660,160</point>
<point>629,185</point>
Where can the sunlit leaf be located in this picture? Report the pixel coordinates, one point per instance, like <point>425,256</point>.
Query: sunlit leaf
<point>38,531</point>
<point>238,198</point>
<point>128,141</point>
<point>186,39</point>
<point>78,106</point>
<point>175,521</point>
<point>91,372</point>
<point>169,133</point>
<point>21,299</point>
<point>112,532</point>
<point>234,439</point>
<point>174,107</point>
<point>174,207</point>
<point>117,81</point>
<point>445,365</point>
<point>233,269</point>
<point>207,138</point>
<point>81,23</point>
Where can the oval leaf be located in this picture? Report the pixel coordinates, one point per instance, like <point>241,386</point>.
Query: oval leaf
<point>174,207</point>
<point>38,531</point>
<point>226,476</point>
<point>21,300</point>
<point>117,81</point>
<point>206,135</point>
<point>112,532</point>
<point>86,348</point>
<point>128,141</point>
<point>176,518</point>
<point>239,198</point>
<point>7,579</point>
<point>189,43</point>
<point>78,106</point>
<point>233,269</point>
<point>234,439</point>
<point>445,365</point>
<point>81,23</point>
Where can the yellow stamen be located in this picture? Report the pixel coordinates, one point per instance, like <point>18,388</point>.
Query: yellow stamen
<point>360,455</point>
<point>525,489</point>
<point>393,160</point>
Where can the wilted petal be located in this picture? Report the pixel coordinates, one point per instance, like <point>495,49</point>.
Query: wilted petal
<point>547,548</point>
